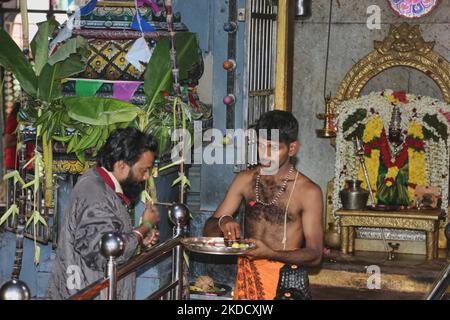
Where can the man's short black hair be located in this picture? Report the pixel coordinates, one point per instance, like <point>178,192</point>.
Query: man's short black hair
<point>284,121</point>
<point>127,145</point>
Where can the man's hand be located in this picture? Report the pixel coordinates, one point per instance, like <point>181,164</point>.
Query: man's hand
<point>150,214</point>
<point>261,251</point>
<point>151,239</point>
<point>230,228</point>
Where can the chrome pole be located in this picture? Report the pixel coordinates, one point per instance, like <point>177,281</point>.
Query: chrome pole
<point>111,274</point>
<point>112,247</point>
<point>179,216</point>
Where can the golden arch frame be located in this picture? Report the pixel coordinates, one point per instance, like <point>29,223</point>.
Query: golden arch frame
<point>403,46</point>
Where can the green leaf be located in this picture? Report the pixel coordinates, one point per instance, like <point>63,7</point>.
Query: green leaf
<point>29,220</point>
<point>49,87</point>
<point>173,164</point>
<point>158,76</point>
<point>13,210</point>
<point>14,174</point>
<point>429,135</point>
<point>71,66</point>
<point>29,184</point>
<point>358,132</point>
<point>433,121</point>
<point>183,179</point>
<point>50,79</point>
<point>12,59</point>
<point>100,111</point>
<point>42,220</point>
<point>161,133</point>
<point>176,181</point>
<point>62,139</point>
<point>71,46</point>
<point>37,254</point>
<point>30,161</point>
<point>357,116</point>
<point>81,156</point>
<point>39,44</point>
<point>145,196</point>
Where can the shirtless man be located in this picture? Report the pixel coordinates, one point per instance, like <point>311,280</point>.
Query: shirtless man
<point>283,217</point>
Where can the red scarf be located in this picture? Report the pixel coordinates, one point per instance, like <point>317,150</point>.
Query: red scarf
<point>110,184</point>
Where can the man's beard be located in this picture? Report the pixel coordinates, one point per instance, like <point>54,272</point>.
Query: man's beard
<point>132,189</point>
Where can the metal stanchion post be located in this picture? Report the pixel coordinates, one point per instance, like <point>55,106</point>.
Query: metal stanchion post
<point>179,215</point>
<point>112,247</point>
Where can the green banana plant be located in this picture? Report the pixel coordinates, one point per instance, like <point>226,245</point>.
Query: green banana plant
<point>160,82</point>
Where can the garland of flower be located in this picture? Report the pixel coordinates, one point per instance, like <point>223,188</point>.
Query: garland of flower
<point>425,121</point>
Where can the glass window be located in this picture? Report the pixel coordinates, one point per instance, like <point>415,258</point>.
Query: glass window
<point>33,20</point>
<point>38,4</point>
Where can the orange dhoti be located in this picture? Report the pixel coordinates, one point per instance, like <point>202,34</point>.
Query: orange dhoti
<point>256,279</point>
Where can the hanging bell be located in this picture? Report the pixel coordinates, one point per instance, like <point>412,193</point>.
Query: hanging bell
<point>302,9</point>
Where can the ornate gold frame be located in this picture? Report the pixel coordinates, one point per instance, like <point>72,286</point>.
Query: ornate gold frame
<point>403,46</point>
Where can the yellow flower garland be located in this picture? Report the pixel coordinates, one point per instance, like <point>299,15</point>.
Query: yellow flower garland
<point>392,99</point>
<point>417,174</point>
<point>373,129</point>
<point>392,173</point>
<point>416,170</point>
<point>415,130</point>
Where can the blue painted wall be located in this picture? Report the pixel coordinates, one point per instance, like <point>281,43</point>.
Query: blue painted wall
<point>207,18</point>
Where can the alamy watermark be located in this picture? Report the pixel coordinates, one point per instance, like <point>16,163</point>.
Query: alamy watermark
<point>73,281</point>
<point>374,279</point>
<point>229,148</point>
<point>374,19</point>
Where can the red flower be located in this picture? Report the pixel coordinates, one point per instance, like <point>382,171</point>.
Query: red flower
<point>412,185</point>
<point>252,203</point>
<point>401,96</point>
<point>414,143</point>
<point>386,153</point>
<point>389,181</point>
<point>367,149</point>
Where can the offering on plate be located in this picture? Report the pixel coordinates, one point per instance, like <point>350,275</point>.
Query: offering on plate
<point>218,246</point>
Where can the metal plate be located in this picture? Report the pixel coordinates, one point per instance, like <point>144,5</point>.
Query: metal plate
<point>413,8</point>
<point>211,245</point>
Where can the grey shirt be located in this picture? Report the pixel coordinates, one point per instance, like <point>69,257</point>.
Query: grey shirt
<point>92,210</point>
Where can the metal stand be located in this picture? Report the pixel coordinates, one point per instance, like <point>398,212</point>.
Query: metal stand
<point>112,247</point>
<point>179,216</point>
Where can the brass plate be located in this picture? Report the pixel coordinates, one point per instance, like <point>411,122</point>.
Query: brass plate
<point>211,245</point>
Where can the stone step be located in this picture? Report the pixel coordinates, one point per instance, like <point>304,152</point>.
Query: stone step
<point>406,274</point>
<point>337,293</point>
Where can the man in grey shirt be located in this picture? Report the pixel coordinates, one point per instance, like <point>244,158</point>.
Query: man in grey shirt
<point>100,203</point>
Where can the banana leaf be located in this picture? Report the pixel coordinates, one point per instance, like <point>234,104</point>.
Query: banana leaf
<point>72,46</point>
<point>162,135</point>
<point>51,76</point>
<point>12,59</point>
<point>158,76</point>
<point>100,111</point>
<point>39,44</point>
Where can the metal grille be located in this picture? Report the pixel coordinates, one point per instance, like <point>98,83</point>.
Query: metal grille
<point>259,82</point>
<point>261,53</point>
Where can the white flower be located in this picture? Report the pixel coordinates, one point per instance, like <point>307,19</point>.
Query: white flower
<point>436,153</point>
